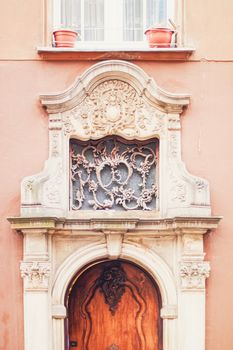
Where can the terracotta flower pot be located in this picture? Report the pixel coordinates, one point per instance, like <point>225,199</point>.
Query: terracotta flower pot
<point>65,37</point>
<point>159,37</point>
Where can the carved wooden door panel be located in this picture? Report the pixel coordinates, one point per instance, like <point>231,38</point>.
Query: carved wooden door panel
<point>114,306</point>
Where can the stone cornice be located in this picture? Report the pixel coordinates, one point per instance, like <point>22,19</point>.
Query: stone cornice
<point>172,226</point>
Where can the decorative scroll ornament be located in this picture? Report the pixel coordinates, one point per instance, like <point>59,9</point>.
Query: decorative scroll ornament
<point>35,274</point>
<point>112,285</point>
<point>193,274</point>
<point>110,174</point>
<point>114,107</point>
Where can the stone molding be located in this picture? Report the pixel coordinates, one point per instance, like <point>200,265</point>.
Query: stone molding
<point>169,312</point>
<point>176,226</point>
<point>193,274</point>
<point>35,274</point>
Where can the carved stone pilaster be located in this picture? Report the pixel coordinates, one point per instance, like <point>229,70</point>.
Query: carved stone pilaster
<point>193,274</point>
<point>35,274</point>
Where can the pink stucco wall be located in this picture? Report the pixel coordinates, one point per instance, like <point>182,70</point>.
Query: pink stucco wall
<point>207,143</point>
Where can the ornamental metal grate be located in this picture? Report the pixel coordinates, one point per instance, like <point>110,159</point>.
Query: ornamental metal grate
<point>112,173</point>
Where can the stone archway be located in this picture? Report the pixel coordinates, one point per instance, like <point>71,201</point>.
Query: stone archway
<point>149,261</point>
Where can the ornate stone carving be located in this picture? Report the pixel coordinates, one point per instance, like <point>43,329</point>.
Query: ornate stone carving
<point>112,285</point>
<point>174,145</point>
<point>178,190</point>
<point>68,126</point>
<point>110,174</point>
<point>29,185</point>
<point>193,274</point>
<point>35,274</point>
<point>114,107</point>
<point>55,145</point>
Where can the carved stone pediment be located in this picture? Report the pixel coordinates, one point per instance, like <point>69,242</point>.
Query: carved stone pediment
<point>115,98</point>
<point>113,107</point>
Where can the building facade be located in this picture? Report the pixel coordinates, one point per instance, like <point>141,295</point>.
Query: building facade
<point>175,102</point>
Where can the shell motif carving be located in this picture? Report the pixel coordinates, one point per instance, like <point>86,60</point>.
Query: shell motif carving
<point>113,107</point>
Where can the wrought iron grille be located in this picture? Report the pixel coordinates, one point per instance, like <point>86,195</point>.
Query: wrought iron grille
<point>112,173</point>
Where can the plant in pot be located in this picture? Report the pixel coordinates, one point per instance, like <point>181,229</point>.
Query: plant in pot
<point>65,37</point>
<point>160,35</point>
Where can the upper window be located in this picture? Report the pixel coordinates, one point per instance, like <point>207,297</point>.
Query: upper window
<point>114,22</point>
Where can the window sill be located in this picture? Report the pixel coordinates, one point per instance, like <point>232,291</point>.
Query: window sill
<point>137,54</point>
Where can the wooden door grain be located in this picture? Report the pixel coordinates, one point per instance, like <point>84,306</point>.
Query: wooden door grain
<point>114,306</point>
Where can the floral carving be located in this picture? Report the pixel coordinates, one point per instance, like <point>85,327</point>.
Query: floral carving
<point>112,285</point>
<point>194,273</point>
<point>67,124</point>
<point>110,174</point>
<point>178,190</point>
<point>55,145</point>
<point>174,145</point>
<point>35,274</point>
<point>115,107</point>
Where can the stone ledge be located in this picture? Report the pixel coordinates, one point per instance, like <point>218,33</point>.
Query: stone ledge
<point>176,225</point>
<point>140,54</point>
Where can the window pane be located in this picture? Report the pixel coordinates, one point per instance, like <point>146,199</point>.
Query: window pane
<point>93,20</point>
<point>156,11</point>
<point>133,20</point>
<point>71,14</point>
<point>162,11</point>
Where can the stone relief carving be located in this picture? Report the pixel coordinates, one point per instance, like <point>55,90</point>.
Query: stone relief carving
<point>67,124</point>
<point>193,274</point>
<point>114,107</point>
<point>29,185</point>
<point>174,145</point>
<point>178,190</point>
<point>35,274</point>
<point>55,145</point>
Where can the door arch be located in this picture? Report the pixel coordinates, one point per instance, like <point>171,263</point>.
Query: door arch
<point>114,305</point>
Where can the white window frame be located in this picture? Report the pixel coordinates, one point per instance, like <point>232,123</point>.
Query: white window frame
<point>112,38</point>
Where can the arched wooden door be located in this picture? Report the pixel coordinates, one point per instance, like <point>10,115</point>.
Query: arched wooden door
<point>114,306</point>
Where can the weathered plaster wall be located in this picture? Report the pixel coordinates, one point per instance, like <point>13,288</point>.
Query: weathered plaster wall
<point>207,25</point>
